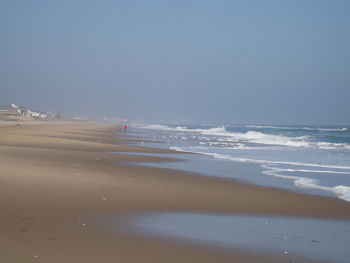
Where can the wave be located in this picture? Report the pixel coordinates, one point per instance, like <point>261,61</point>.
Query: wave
<point>255,137</point>
<point>249,136</point>
<point>270,139</point>
<point>343,192</point>
<point>297,128</point>
<point>271,127</point>
<point>161,127</point>
<point>300,141</point>
<point>215,131</point>
<point>257,161</point>
<point>325,129</point>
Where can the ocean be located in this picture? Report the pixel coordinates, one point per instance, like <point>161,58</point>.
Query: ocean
<point>311,159</point>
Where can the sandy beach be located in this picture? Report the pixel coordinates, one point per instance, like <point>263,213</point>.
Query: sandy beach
<point>56,178</point>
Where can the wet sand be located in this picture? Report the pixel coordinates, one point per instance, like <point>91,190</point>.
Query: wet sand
<point>57,178</point>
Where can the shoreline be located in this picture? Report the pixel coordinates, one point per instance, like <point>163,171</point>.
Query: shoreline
<point>55,175</point>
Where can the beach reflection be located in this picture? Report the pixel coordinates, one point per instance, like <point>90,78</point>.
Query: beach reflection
<point>313,238</point>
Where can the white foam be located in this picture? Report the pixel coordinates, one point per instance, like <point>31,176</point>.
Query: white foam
<point>271,127</point>
<point>296,128</point>
<point>161,127</point>
<point>315,171</point>
<point>262,138</point>
<point>258,161</point>
<point>342,191</point>
<point>325,129</point>
<point>301,141</point>
<point>257,137</point>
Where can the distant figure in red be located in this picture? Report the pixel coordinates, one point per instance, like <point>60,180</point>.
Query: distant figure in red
<point>125,127</point>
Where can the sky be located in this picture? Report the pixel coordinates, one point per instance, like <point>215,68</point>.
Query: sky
<point>238,62</point>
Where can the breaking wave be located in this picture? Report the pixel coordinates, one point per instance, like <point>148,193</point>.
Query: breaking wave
<point>256,137</point>
<point>297,128</point>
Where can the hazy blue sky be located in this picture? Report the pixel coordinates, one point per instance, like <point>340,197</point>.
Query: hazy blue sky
<point>271,62</point>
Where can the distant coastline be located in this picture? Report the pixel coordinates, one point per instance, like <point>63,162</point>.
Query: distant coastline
<point>13,112</point>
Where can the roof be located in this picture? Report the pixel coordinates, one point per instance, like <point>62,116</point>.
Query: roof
<point>6,108</point>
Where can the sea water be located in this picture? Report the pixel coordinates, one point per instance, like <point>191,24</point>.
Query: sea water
<point>314,159</point>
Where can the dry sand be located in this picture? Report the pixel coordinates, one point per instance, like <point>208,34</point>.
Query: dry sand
<point>55,178</point>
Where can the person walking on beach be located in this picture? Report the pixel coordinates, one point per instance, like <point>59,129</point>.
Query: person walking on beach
<point>125,127</point>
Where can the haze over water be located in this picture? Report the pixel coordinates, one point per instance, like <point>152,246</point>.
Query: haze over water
<point>260,62</point>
